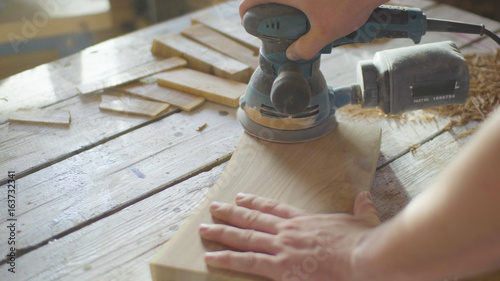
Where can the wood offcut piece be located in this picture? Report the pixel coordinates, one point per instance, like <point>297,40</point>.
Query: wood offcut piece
<point>132,106</point>
<point>211,87</point>
<point>201,57</point>
<point>222,44</point>
<point>132,75</point>
<point>229,29</point>
<point>184,101</point>
<point>41,116</point>
<point>320,176</point>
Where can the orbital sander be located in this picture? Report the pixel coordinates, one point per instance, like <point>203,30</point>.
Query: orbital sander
<point>289,101</point>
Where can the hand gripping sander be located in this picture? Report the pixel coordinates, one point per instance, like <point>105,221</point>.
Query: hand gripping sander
<point>289,101</point>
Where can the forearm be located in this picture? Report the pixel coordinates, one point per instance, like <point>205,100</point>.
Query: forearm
<point>450,230</point>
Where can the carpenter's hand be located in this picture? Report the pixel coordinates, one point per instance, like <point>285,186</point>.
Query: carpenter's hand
<point>330,20</point>
<point>285,243</point>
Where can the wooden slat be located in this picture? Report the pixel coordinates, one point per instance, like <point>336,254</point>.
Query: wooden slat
<point>228,28</point>
<point>41,116</point>
<point>133,75</point>
<point>320,176</point>
<point>179,99</point>
<point>128,105</point>
<point>212,88</point>
<point>25,147</point>
<point>126,259</point>
<point>118,247</point>
<point>222,44</point>
<point>200,57</point>
<point>115,173</point>
<point>57,81</point>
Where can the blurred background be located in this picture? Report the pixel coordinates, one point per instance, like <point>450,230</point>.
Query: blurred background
<point>33,32</point>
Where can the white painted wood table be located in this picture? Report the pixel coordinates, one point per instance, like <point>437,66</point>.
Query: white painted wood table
<point>95,200</point>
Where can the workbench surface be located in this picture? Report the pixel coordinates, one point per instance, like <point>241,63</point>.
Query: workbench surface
<point>96,200</point>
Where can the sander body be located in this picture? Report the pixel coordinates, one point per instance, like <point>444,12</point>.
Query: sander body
<point>290,101</point>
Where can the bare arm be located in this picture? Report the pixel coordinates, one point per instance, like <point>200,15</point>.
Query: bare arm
<point>453,228</point>
<point>330,20</point>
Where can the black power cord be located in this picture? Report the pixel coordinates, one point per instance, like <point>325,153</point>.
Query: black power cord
<point>460,27</point>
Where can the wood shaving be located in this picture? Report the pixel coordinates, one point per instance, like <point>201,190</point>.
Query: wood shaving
<point>484,97</point>
<point>484,94</point>
<point>413,148</point>
<point>466,133</point>
<point>200,129</point>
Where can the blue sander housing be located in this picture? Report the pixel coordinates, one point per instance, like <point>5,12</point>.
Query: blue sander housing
<point>289,101</point>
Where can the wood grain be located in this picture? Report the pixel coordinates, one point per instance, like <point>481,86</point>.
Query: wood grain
<point>212,88</point>
<point>128,105</point>
<point>227,28</point>
<point>68,193</point>
<point>222,44</point>
<point>41,116</point>
<point>27,147</point>
<point>65,197</point>
<point>133,75</point>
<point>200,57</point>
<point>146,225</point>
<point>321,176</point>
<point>184,101</point>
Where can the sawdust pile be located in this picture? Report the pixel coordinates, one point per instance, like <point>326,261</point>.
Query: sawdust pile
<point>484,96</point>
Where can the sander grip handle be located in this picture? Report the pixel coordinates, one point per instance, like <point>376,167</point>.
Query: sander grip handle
<point>389,22</point>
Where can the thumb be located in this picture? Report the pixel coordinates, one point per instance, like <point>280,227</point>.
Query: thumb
<point>307,46</point>
<point>365,209</point>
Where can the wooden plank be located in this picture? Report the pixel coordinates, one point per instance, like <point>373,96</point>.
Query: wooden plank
<point>41,116</point>
<point>87,254</point>
<point>200,57</point>
<point>212,88</point>
<point>228,28</point>
<point>184,101</point>
<point>222,44</point>
<point>26,148</point>
<point>128,105</point>
<point>132,75</point>
<point>320,176</point>
<point>58,81</point>
<point>116,173</point>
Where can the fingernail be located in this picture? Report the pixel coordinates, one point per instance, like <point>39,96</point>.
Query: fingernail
<point>368,195</point>
<point>291,55</point>
<point>240,196</point>
<point>209,257</point>
<point>215,205</point>
<point>204,227</point>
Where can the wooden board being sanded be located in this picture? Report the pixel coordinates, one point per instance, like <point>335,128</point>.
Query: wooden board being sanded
<point>213,88</point>
<point>321,176</point>
<point>200,57</point>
